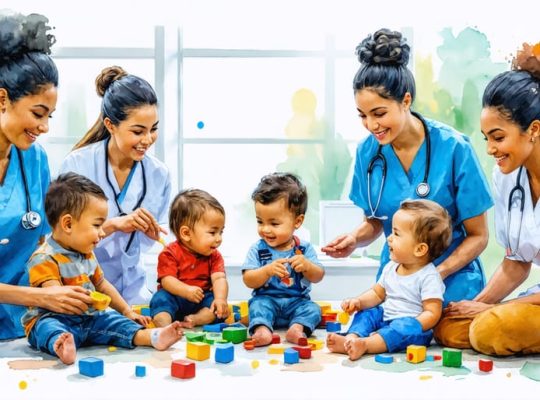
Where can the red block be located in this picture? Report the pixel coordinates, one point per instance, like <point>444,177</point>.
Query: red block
<point>302,341</point>
<point>485,365</point>
<point>437,358</point>
<point>303,351</point>
<point>249,345</point>
<point>276,339</point>
<point>183,369</point>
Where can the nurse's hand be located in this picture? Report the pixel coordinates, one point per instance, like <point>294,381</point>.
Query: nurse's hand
<point>466,308</point>
<point>72,300</point>
<point>340,247</point>
<point>139,220</point>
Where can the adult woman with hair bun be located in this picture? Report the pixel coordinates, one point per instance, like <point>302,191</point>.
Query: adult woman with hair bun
<point>510,122</point>
<point>114,154</point>
<point>28,82</point>
<point>408,156</point>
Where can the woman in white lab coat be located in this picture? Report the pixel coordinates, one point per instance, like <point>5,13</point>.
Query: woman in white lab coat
<point>510,122</point>
<point>114,154</point>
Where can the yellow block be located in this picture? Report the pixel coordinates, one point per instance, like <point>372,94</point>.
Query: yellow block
<point>276,349</point>
<point>198,351</point>
<point>244,310</point>
<point>112,348</point>
<point>100,301</point>
<point>315,344</point>
<point>325,306</point>
<point>343,317</point>
<point>416,354</point>
<point>137,307</point>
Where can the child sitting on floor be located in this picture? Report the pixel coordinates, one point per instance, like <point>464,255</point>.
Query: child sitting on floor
<point>76,209</point>
<point>279,267</point>
<point>406,302</point>
<point>191,271</point>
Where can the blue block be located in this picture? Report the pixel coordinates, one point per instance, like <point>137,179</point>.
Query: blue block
<point>236,309</point>
<point>145,311</point>
<point>91,366</point>
<point>214,327</point>
<point>381,358</point>
<point>140,371</point>
<point>224,353</point>
<point>291,356</point>
<point>333,327</point>
<point>430,358</point>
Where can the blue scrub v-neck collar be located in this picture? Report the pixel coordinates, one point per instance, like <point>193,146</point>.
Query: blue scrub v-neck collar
<point>416,170</point>
<point>13,175</point>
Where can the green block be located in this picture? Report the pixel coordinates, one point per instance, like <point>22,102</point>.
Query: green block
<point>212,337</point>
<point>235,335</point>
<point>451,358</point>
<point>195,336</point>
<point>221,341</point>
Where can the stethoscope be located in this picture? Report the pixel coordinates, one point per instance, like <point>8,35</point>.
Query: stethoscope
<point>422,190</point>
<point>521,193</point>
<point>121,212</point>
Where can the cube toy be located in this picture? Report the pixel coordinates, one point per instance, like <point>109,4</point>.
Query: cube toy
<point>343,317</point>
<point>333,326</point>
<point>224,353</point>
<point>276,349</point>
<point>325,306</point>
<point>140,371</point>
<point>198,351</point>
<point>315,344</point>
<point>212,337</point>
<point>276,339</point>
<point>91,366</point>
<point>485,365</point>
<point>216,328</point>
<point>383,359</point>
<point>145,311</point>
<point>303,351</point>
<point>451,358</point>
<point>302,341</point>
<point>195,336</point>
<point>235,334</point>
<point>100,301</point>
<point>183,369</point>
<point>290,356</point>
<point>416,354</point>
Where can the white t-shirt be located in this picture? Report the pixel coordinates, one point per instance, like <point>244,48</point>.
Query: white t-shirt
<point>405,293</point>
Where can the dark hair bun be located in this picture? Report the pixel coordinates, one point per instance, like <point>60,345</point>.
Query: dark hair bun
<point>528,59</point>
<point>107,77</point>
<point>384,47</point>
<point>20,34</point>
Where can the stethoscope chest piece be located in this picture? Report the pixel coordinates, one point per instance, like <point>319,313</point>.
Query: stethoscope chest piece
<point>31,220</point>
<point>422,190</point>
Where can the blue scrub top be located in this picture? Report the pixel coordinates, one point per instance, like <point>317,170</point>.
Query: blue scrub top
<point>457,183</point>
<point>22,242</point>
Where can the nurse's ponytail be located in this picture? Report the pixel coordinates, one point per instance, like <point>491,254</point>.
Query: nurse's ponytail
<point>25,65</point>
<point>121,94</point>
<point>384,57</point>
<point>516,93</point>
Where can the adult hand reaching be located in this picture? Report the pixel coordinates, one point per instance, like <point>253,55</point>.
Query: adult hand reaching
<point>340,247</point>
<point>63,299</point>
<point>139,220</point>
<point>466,308</point>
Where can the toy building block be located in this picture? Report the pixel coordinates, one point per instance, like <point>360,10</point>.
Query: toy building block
<point>303,351</point>
<point>437,357</point>
<point>249,345</point>
<point>183,369</point>
<point>212,338</point>
<point>332,326</point>
<point>137,307</point>
<point>244,308</point>
<point>416,354</point>
<point>100,301</point>
<point>91,366</point>
<point>325,306</point>
<point>140,371</point>
<point>150,325</point>
<point>328,317</point>
<point>235,334</point>
<point>145,311</point>
<point>216,328</point>
<point>224,353</point>
<point>291,356</point>
<point>302,341</point>
<point>195,336</point>
<point>276,339</point>
<point>315,344</point>
<point>384,359</point>
<point>276,349</point>
<point>485,365</point>
<point>198,351</point>
<point>343,317</point>
<point>451,358</point>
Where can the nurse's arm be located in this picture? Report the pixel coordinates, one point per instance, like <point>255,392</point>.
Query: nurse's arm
<point>508,276</point>
<point>472,246</point>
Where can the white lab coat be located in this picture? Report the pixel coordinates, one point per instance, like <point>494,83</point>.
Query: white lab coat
<point>125,270</point>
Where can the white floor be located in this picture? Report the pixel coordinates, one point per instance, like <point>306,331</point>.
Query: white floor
<point>333,377</point>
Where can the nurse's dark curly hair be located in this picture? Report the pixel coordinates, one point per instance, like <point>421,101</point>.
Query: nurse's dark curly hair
<point>273,187</point>
<point>25,65</point>
<point>384,57</point>
<point>70,194</point>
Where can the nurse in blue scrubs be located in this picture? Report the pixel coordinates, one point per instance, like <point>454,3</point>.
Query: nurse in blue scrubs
<point>407,156</point>
<point>28,82</point>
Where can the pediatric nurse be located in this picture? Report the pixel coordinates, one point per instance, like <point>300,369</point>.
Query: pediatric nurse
<point>510,122</point>
<point>407,156</point>
<point>28,82</point>
<point>114,154</point>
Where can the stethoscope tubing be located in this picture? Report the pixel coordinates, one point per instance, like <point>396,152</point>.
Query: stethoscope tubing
<point>518,188</point>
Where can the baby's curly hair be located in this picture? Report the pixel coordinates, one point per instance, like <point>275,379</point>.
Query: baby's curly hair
<point>285,185</point>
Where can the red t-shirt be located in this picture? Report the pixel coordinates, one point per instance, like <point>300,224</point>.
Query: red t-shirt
<point>195,270</point>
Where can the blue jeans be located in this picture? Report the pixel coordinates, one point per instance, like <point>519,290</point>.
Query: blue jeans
<point>397,333</point>
<point>279,312</point>
<point>107,328</point>
<point>177,307</point>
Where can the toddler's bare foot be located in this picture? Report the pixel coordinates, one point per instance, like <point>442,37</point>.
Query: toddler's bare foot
<point>262,336</point>
<point>355,347</point>
<point>295,332</point>
<point>65,349</point>
<point>188,322</point>
<point>163,338</point>
<point>336,343</point>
